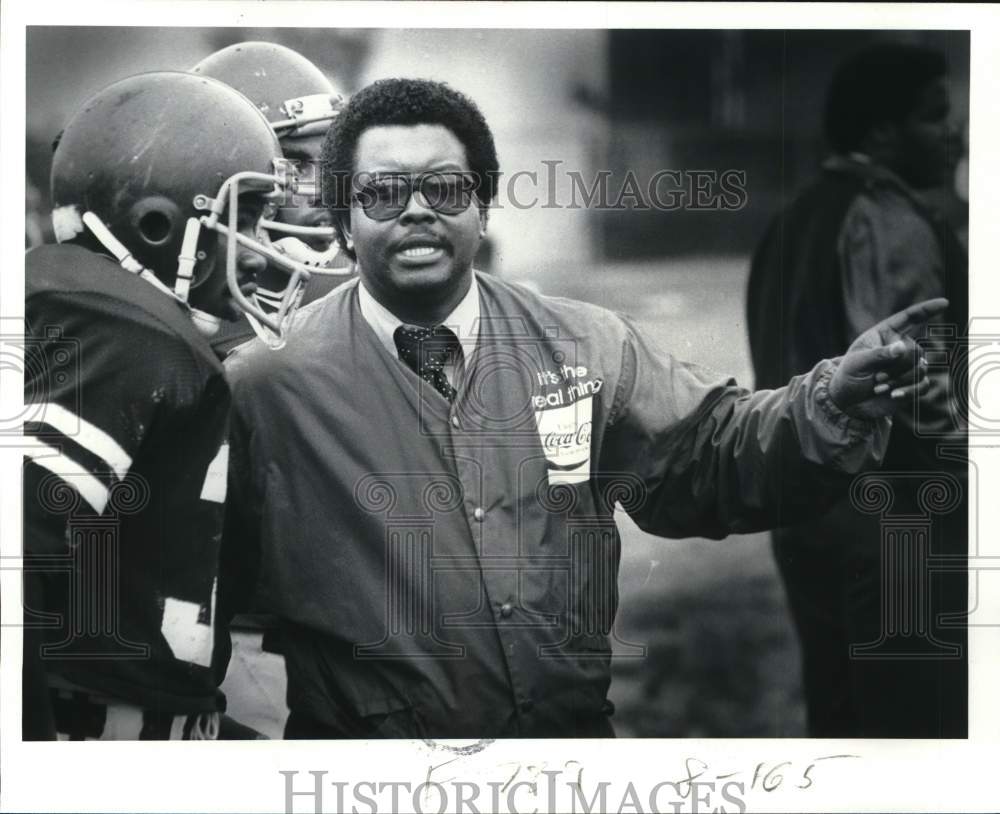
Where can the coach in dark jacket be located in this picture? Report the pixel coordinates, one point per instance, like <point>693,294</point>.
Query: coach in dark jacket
<point>425,477</point>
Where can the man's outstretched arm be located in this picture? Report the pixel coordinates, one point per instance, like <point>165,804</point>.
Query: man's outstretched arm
<point>716,459</point>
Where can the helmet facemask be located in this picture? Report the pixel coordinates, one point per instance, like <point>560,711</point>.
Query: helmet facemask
<point>223,218</point>
<point>300,103</point>
<point>298,240</point>
<point>282,304</point>
<point>151,210</point>
<point>293,239</point>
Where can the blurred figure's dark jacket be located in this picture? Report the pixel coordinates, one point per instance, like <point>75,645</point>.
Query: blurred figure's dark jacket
<point>850,250</point>
<point>796,309</point>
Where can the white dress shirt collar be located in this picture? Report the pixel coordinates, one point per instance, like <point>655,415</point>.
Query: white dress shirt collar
<point>463,320</point>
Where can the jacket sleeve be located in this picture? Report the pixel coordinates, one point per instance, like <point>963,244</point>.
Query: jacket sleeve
<point>716,459</point>
<point>890,258</point>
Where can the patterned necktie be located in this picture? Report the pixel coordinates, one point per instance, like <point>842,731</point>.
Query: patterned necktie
<point>426,351</point>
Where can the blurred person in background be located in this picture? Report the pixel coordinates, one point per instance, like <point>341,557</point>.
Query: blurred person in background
<point>424,478</point>
<point>299,101</point>
<point>37,165</point>
<point>34,219</point>
<point>861,242</point>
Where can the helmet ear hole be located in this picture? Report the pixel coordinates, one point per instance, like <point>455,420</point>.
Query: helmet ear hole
<point>156,221</point>
<point>155,227</point>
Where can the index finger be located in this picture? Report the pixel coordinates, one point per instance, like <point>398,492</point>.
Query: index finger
<point>914,317</point>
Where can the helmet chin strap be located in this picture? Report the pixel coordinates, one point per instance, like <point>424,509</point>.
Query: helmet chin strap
<point>206,324</point>
<point>317,261</point>
<point>292,245</point>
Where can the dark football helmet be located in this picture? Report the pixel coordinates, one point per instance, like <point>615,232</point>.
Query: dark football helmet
<point>300,102</point>
<point>295,96</point>
<point>151,168</point>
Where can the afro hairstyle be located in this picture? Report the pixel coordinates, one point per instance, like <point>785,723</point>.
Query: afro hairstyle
<point>404,102</point>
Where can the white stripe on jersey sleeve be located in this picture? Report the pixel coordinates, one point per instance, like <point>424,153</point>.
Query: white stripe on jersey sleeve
<point>91,438</point>
<point>89,487</point>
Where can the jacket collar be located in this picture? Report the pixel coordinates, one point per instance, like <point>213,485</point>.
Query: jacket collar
<point>874,175</point>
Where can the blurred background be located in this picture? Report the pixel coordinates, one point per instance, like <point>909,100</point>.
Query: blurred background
<point>721,657</point>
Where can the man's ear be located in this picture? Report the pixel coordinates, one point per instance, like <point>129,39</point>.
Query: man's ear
<point>344,227</point>
<point>484,217</point>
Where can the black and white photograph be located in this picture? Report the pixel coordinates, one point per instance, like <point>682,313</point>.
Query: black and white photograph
<point>498,414</point>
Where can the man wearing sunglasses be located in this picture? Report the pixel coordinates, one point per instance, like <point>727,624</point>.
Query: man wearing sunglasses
<point>423,480</point>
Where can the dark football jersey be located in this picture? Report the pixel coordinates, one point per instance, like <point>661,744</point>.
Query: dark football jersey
<point>124,482</point>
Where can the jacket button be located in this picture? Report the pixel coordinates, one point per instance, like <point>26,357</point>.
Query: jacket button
<point>506,610</point>
<point>479,514</point>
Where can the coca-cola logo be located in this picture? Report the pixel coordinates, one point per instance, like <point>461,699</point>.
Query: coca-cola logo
<point>554,441</point>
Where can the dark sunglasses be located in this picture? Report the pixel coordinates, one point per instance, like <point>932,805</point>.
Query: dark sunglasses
<point>385,196</point>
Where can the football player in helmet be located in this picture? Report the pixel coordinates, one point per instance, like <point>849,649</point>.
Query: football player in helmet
<point>300,102</point>
<point>158,182</point>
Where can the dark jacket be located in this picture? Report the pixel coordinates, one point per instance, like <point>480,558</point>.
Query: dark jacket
<point>451,570</point>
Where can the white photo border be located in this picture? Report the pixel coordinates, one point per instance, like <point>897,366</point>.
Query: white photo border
<point>245,776</point>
